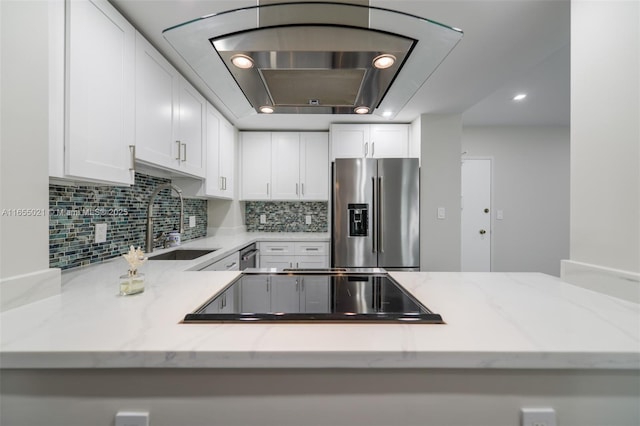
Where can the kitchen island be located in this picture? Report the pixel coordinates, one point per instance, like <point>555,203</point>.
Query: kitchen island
<point>512,339</point>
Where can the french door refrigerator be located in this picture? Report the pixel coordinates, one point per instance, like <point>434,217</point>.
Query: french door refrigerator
<point>376,213</point>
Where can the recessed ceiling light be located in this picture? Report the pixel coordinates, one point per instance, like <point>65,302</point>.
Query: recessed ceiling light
<point>242,61</point>
<point>519,96</point>
<point>266,109</point>
<point>361,110</point>
<point>384,61</point>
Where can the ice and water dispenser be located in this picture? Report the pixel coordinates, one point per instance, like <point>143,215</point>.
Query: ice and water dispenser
<point>358,220</point>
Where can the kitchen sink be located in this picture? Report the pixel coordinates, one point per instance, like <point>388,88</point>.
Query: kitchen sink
<point>182,254</point>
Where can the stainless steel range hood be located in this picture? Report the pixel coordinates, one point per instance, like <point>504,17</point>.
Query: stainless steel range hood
<point>313,57</point>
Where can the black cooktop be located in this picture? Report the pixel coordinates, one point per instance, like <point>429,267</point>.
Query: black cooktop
<point>363,296</point>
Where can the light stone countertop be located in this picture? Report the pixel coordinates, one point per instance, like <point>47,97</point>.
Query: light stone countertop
<point>493,320</point>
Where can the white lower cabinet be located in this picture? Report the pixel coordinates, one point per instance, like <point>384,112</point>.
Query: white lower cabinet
<point>229,263</point>
<point>304,254</point>
<point>284,293</point>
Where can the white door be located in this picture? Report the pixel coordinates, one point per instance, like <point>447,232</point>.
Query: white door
<point>476,215</point>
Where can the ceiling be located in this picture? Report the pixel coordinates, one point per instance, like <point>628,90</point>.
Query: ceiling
<point>508,47</point>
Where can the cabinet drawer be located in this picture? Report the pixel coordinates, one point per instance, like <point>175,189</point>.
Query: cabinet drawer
<point>276,248</point>
<point>278,262</point>
<point>311,248</point>
<point>229,263</point>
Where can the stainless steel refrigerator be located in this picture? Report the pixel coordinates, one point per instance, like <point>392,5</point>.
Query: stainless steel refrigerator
<point>376,213</point>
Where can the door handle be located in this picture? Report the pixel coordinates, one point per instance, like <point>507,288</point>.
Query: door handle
<point>374,218</point>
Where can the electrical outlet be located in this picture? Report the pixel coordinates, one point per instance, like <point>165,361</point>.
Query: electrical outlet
<point>441,213</point>
<point>538,417</point>
<point>307,219</point>
<point>192,221</point>
<point>263,218</point>
<point>132,418</point>
<point>101,233</point>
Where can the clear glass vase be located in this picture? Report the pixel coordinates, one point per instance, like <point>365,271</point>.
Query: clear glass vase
<point>131,283</point>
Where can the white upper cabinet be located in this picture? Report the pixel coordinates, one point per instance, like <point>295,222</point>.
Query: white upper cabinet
<point>297,167</point>
<point>220,142</point>
<point>192,109</point>
<point>256,165</point>
<point>99,101</point>
<point>285,172</point>
<point>314,166</point>
<point>156,96</point>
<point>170,115</point>
<point>369,140</point>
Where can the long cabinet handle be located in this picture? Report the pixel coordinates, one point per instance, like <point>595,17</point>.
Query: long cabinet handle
<point>132,150</point>
<point>184,150</point>
<point>178,157</point>
<point>373,149</point>
<point>302,186</point>
<point>380,215</point>
<point>366,148</point>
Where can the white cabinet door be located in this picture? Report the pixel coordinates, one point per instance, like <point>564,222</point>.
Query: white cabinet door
<point>189,146</point>
<point>278,262</point>
<point>314,166</point>
<point>285,170</point>
<point>213,182</point>
<point>256,165</point>
<point>348,140</point>
<point>315,295</point>
<point>220,154</point>
<point>285,294</point>
<point>100,108</point>
<point>311,262</point>
<point>389,140</point>
<point>156,97</point>
<point>227,159</point>
<point>254,294</point>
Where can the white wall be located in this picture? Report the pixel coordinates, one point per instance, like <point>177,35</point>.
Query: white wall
<point>605,147</point>
<point>440,182</point>
<point>531,186</point>
<point>24,184</point>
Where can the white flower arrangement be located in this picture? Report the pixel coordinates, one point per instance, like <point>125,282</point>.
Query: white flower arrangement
<point>135,258</point>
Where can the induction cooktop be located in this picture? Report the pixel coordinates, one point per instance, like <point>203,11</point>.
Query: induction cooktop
<point>334,295</point>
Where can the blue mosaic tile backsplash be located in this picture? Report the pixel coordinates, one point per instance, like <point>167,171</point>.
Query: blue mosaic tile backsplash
<point>285,216</point>
<point>74,211</point>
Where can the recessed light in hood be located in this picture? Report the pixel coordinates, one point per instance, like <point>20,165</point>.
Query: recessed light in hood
<point>313,57</point>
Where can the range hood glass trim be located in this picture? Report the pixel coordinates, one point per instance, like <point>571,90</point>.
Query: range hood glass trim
<point>191,41</point>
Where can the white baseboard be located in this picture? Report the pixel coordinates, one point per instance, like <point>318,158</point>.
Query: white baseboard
<point>614,282</point>
<point>22,289</point>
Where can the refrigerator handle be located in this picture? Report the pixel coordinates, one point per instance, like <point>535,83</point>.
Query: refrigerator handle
<point>374,216</point>
<point>380,215</point>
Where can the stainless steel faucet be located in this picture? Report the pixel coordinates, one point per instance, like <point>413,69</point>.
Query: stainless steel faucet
<point>154,194</point>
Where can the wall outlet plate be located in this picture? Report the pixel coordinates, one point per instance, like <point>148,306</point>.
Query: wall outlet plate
<point>538,417</point>
<point>132,418</point>
<point>307,219</point>
<point>101,233</point>
<point>192,221</point>
<point>263,218</point>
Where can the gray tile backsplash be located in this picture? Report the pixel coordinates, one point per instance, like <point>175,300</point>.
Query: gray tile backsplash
<point>74,211</point>
<point>284,216</point>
